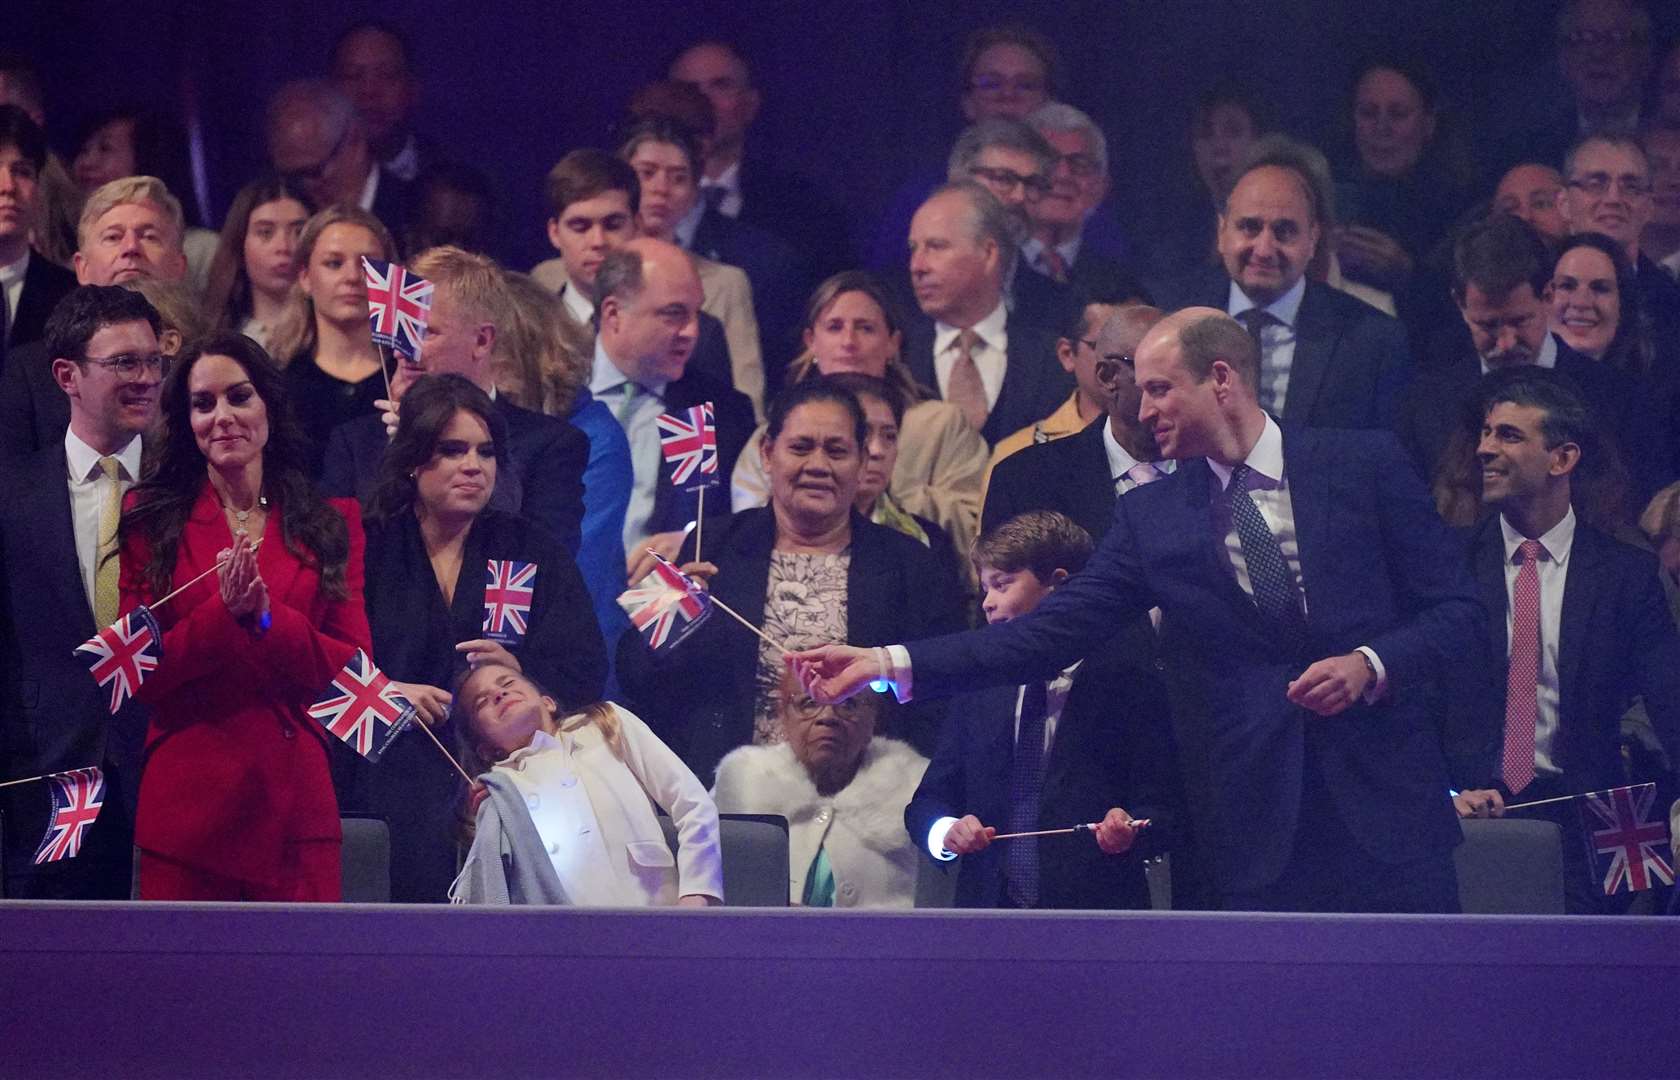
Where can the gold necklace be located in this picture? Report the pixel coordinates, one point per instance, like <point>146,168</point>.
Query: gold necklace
<point>241,516</point>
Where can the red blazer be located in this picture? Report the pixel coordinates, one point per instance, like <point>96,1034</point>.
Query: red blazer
<point>234,767</point>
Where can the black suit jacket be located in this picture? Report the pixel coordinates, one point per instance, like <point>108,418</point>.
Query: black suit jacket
<point>44,285</point>
<point>1443,399</point>
<point>393,203</point>
<point>1379,570</point>
<point>699,696</point>
<point>780,279</point>
<point>1034,384</point>
<point>1112,747</point>
<point>795,210</point>
<point>732,412</point>
<point>1067,475</point>
<point>543,479</point>
<point>34,412</point>
<point>1616,639</point>
<point>1352,363</point>
<point>1044,302</point>
<point>53,716</point>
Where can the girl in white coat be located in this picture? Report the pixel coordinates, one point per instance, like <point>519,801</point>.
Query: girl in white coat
<point>570,814</point>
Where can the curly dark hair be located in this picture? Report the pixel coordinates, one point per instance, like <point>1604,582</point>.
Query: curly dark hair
<point>427,408</point>
<point>311,529</point>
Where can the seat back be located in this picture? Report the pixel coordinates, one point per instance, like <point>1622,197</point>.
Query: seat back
<point>755,858</point>
<point>366,860</point>
<point>1510,866</point>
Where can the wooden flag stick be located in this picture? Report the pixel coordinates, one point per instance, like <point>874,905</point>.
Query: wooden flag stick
<point>1568,798</point>
<point>732,613</point>
<point>699,523</point>
<point>443,750</point>
<point>27,780</point>
<point>1136,823</point>
<point>159,603</point>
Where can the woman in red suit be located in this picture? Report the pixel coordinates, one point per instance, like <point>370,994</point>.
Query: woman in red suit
<point>236,801</point>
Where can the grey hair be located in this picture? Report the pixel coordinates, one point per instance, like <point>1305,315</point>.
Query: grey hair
<point>998,131</point>
<point>1307,162</point>
<point>989,220</point>
<point>621,276</point>
<point>1058,116</point>
<point>1615,140</point>
<point>336,110</point>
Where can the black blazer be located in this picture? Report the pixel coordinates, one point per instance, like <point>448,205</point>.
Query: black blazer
<point>796,211</point>
<point>1034,384</point>
<point>1352,362</point>
<point>414,639</point>
<point>732,412</point>
<point>1616,639</point>
<point>1068,475</point>
<point>34,413</point>
<point>53,716</point>
<point>779,278</point>
<point>543,479</point>
<point>1043,302</point>
<point>44,285</point>
<point>1113,747</point>
<point>699,695</point>
<point>1444,396</point>
<point>393,203</point>
<point>1379,569</point>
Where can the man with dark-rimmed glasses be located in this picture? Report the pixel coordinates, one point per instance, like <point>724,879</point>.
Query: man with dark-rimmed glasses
<point>316,139</point>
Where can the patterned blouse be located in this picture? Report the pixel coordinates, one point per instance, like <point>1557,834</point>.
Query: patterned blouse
<point>804,606</point>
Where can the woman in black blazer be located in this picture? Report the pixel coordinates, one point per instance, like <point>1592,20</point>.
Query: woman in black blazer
<point>805,568</point>
<point>433,545</point>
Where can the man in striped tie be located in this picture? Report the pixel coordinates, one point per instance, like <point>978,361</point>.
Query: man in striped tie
<point>1578,616</point>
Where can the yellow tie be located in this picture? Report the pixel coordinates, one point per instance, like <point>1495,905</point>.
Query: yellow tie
<point>105,600</point>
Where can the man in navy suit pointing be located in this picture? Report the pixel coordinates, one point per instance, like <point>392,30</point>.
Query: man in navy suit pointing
<point>1310,596</point>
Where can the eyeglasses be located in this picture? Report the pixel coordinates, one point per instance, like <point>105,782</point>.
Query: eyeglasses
<point>319,169</point>
<point>1616,39</point>
<point>997,84</point>
<point>1009,179</point>
<point>1601,183</point>
<point>128,366</point>
<point>850,709</point>
<point>1082,165</point>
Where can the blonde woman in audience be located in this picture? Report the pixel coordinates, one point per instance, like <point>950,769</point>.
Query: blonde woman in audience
<point>252,275</point>
<point>852,325</point>
<point>183,319</point>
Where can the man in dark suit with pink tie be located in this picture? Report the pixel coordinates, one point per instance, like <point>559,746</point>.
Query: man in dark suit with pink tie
<point>1310,596</point>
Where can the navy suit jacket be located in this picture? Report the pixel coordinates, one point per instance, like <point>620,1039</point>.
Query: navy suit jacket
<point>44,285</point>
<point>1616,639</point>
<point>1352,362</point>
<point>1068,475</point>
<point>780,280</point>
<point>34,412</point>
<point>1034,384</point>
<point>1379,569</point>
<point>543,480</point>
<point>1113,747</point>
<point>1043,302</point>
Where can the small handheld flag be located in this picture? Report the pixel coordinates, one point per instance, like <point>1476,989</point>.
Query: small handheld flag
<point>363,708</point>
<point>399,303</point>
<point>77,796</point>
<point>507,600</point>
<point>689,442</point>
<point>666,606</point>
<point>1627,846</point>
<point>124,653</point>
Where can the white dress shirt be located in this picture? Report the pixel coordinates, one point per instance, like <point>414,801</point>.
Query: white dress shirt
<point>1545,358</point>
<point>1277,341</point>
<point>1056,695</point>
<point>1671,264</point>
<point>730,181</point>
<point>1032,250</point>
<point>11,286</point>
<point>405,163</point>
<point>641,427</point>
<point>88,485</point>
<point>1553,567</point>
<point>579,304</point>
<point>683,231</point>
<point>1121,463</point>
<point>990,353</point>
<point>370,189</point>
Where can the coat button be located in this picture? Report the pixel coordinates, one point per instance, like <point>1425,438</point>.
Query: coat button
<point>533,801</point>
<point>286,732</point>
<point>822,816</point>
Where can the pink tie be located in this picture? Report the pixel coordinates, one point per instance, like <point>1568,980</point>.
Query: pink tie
<point>1143,473</point>
<point>1056,265</point>
<point>1522,704</point>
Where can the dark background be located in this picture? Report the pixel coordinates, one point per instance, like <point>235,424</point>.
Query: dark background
<point>855,95</point>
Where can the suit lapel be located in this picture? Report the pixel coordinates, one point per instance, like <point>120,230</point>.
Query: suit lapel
<point>1580,595</point>
<point>1309,498</point>
<point>1489,558</point>
<point>57,522</point>
<point>1093,488</point>
<point>1315,336</point>
<point>919,352</point>
<point>1198,493</point>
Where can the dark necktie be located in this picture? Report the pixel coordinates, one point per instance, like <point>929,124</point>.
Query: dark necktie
<point>1255,320</point>
<point>6,316</point>
<point>1274,588</point>
<point>1026,786</point>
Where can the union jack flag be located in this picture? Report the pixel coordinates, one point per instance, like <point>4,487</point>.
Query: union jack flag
<point>121,655</point>
<point>399,304</point>
<point>666,606</point>
<point>363,708</point>
<point>507,599</point>
<point>77,796</point>
<point>1627,846</point>
<point>689,440</point>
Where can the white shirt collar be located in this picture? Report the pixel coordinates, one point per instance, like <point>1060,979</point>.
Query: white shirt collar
<point>1545,358</point>
<point>13,272</point>
<point>1032,249</point>
<point>370,189</point>
<point>729,179</point>
<point>1557,540</point>
<point>540,741</point>
<point>1284,309</point>
<point>1266,458</point>
<point>581,307</point>
<point>606,375</point>
<point>405,163</point>
<point>84,459</point>
<point>1120,462</point>
<point>990,330</point>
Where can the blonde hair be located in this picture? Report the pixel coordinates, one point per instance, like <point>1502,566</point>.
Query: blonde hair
<point>1661,519</point>
<point>600,713</point>
<point>475,283</point>
<point>542,357</point>
<point>897,374</point>
<point>126,191</point>
<point>176,306</point>
<point>294,332</point>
